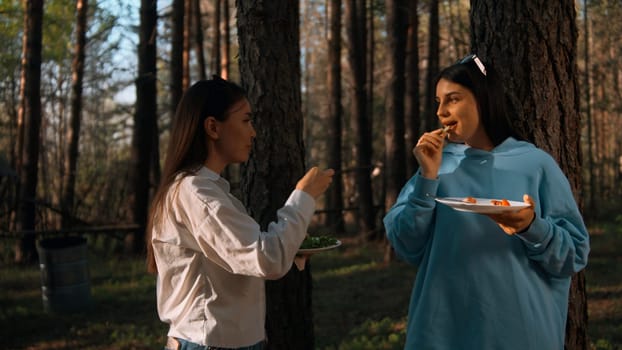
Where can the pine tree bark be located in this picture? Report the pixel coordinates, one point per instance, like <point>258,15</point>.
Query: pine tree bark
<point>356,15</point>
<point>177,54</point>
<point>334,195</point>
<point>395,155</point>
<point>73,134</point>
<point>535,53</point>
<point>413,115</point>
<point>145,133</point>
<point>25,250</point>
<point>430,121</point>
<point>198,38</point>
<point>268,34</point>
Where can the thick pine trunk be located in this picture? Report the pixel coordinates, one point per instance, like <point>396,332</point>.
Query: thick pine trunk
<point>533,45</point>
<point>270,70</point>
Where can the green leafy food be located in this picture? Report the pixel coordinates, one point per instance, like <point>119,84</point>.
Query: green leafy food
<point>312,242</point>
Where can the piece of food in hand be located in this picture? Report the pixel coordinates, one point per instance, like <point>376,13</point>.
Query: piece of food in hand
<point>503,202</point>
<point>470,200</point>
<point>313,242</point>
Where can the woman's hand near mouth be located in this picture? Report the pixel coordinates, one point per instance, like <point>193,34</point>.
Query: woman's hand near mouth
<point>429,151</point>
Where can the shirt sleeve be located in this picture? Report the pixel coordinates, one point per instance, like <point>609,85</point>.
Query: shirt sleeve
<point>557,239</point>
<point>233,239</point>
<point>409,223</point>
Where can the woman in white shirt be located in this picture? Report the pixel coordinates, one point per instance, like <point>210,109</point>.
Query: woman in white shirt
<point>210,256</point>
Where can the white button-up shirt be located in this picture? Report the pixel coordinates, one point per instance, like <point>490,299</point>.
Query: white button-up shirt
<point>212,260</point>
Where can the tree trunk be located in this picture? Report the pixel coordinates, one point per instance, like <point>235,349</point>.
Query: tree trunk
<point>145,133</point>
<point>177,55</point>
<point>198,38</point>
<point>355,13</point>
<point>413,115</point>
<point>31,64</point>
<point>430,120</point>
<point>73,134</point>
<point>395,155</point>
<point>535,54</point>
<point>268,33</point>
<point>334,195</point>
<point>216,42</point>
<point>225,64</point>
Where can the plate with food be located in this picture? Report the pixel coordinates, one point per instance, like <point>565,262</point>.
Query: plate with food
<point>314,244</point>
<point>482,205</point>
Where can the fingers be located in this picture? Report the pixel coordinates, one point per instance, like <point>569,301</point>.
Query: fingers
<point>518,221</point>
<point>316,181</point>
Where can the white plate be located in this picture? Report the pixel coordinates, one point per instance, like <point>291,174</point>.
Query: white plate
<point>482,206</point>
<point>320,249</point>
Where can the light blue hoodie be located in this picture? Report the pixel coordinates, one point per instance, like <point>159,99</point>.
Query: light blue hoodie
<point>477,287</point>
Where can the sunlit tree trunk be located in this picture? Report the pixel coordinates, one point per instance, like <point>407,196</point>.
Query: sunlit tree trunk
<point>31,64</point>
<point>334,195</point>
<point>538,64</point>
<point>73,133</point>
<point>216,40</point>
<point>145,133</point>
<point>268,32</point>
<point>225,64</point>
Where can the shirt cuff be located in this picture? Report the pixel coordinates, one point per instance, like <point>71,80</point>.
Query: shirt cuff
<point>424,188</point>
<point>303,201</point>
<point>537,235</point>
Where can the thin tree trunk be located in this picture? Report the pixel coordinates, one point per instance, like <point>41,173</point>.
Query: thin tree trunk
<point>588,112</point>
<point>430,120</point>
<point>145,133</point>
<point>395,155</point>
<point>198,38</point>
<point>73,133</point>
<point>268,33</point>
<point>31,63</point>
<point>413,116</point>
<point>216,47</point>
<point>355,13</point>
<point>538,64</point>
<point>334,196</point>
<point>225,64</point>
<point>177,55</point>
<point>187,23</point>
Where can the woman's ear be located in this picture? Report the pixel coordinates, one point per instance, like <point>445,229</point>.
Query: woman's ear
<point>210,125</point>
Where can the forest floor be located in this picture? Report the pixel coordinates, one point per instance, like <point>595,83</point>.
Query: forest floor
<point>358,302</point>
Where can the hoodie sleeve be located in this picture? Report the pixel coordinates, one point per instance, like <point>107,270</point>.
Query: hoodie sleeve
<point>409,223</point>
<point>557,239</point>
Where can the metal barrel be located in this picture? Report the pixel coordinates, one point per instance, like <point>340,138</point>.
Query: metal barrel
<point>65,282</point>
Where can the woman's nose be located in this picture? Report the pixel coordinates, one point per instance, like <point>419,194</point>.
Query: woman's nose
<point>441,111</point>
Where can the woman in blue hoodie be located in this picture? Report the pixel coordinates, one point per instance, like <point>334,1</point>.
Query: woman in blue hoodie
<point>494,280</point>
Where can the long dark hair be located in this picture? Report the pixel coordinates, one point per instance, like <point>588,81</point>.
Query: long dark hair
<point>187,146</point>
<point>484,82</point>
